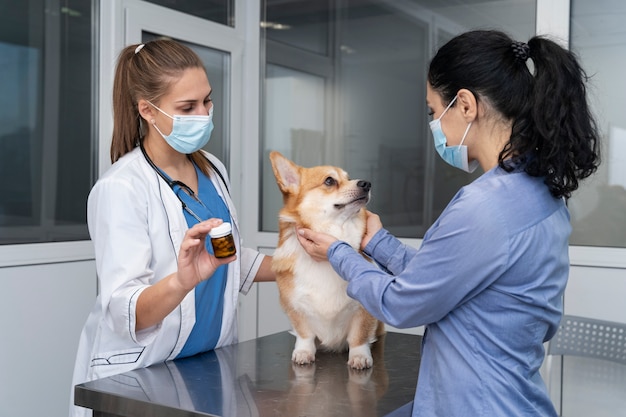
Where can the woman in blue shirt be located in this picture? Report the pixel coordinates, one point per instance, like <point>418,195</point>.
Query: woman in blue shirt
<point>489,276</point>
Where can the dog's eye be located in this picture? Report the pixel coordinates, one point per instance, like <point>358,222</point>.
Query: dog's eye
<point>330,181</point>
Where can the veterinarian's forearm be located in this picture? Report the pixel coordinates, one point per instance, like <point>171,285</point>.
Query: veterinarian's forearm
<point>157,301</point>
<point>389,252</point>
<point>265,273</point>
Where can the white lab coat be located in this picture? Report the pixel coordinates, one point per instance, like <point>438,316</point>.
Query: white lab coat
<point>137,225</point>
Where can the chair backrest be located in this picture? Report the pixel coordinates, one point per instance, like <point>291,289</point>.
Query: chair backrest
<point>581,336</point>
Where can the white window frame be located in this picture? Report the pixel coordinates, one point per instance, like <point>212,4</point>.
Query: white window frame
<point>553,18</point>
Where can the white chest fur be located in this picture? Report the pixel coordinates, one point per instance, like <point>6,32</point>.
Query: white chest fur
<point>319,295</point>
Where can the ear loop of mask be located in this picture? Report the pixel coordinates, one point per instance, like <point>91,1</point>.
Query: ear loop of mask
<point>446,109</point>
<point>171,117</point>
<point>154,122</point>
<point>466,129</point>
<point>465,134</point>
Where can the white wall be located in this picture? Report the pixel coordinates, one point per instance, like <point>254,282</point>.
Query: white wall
<point>598,293</point>
<point>42,311</point>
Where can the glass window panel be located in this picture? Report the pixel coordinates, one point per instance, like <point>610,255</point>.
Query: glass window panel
<point>217,66</point>
<point>383,89</point>
<point>46,120</point>
<point>375,105</point>
<point>219,11</point>
<point>302,24</point>
<point>294,126</point>
<point>598,209</point>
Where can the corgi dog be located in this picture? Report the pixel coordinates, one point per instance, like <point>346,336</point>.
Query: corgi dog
<point>314,297</point>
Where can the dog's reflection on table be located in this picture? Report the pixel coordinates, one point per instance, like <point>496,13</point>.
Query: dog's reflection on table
<point>328,387</point>
<point>258,379</point>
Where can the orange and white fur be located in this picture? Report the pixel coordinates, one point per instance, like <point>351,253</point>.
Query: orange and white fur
<point>314,297</point>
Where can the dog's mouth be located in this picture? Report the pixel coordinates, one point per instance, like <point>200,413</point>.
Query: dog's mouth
<point>359,200</point>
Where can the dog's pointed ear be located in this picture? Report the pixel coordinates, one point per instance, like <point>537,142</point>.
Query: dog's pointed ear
<point>286,172</point>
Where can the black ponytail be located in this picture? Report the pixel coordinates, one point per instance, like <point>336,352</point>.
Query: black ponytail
<point>553,133</point>
<point>566,139</point>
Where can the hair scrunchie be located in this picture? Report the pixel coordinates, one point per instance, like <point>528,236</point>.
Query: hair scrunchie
<point>521,50</point>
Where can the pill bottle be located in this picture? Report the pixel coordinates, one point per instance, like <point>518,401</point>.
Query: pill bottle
<point>222,241</point>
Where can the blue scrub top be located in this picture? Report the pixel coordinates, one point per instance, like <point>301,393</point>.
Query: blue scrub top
<point>487,282</point>
<point>209,294</point>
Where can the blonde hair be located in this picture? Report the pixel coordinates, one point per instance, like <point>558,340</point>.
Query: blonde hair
<point>146,72</point>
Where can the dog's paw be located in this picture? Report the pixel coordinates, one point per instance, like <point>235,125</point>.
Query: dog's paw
<point>360,357</point>
<point>304,350</point>
<point>360,362</point>
<point>303,357</point>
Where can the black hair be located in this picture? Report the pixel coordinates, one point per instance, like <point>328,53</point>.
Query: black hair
<point>554,135</point>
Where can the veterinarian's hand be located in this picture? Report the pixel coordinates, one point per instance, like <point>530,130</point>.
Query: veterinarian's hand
<point>373,225</point>
<point>195,263</point>
<point>315,244</point>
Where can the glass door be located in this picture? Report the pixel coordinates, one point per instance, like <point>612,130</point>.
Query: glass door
<point>146,22</point>
<point>218,42</point>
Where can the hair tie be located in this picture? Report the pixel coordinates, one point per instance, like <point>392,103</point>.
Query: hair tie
<point>139,48</point>
<point>521,50</point>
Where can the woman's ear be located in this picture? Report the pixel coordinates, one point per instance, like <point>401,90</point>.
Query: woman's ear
<point>468,105</point>
<point>146,111</point>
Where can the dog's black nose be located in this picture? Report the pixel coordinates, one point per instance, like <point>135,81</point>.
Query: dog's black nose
<point>365,185</point>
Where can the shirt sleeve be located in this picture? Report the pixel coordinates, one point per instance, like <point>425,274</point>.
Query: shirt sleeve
<point>389,252</point>
<point>123,251</point>
<point>250,264</point>
<point>462,254</point>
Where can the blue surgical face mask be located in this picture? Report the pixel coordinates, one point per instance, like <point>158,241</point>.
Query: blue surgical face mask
<point>453,155</point>
<point>189,133</point>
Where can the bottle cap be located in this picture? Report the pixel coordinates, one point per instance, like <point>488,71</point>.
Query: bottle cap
<point>221,230</point>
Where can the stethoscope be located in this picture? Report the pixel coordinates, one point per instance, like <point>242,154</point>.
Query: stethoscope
<point>180,184</point>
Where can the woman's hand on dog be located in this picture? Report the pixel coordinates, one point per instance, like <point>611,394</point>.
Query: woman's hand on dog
<point>373,225</point>
<point>315,244</point>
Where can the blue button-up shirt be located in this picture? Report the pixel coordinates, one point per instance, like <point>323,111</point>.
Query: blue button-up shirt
<point>487,282</point>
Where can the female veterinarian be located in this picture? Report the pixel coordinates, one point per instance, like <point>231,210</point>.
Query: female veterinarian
<point>488,278</point>
<point>163,295</point>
